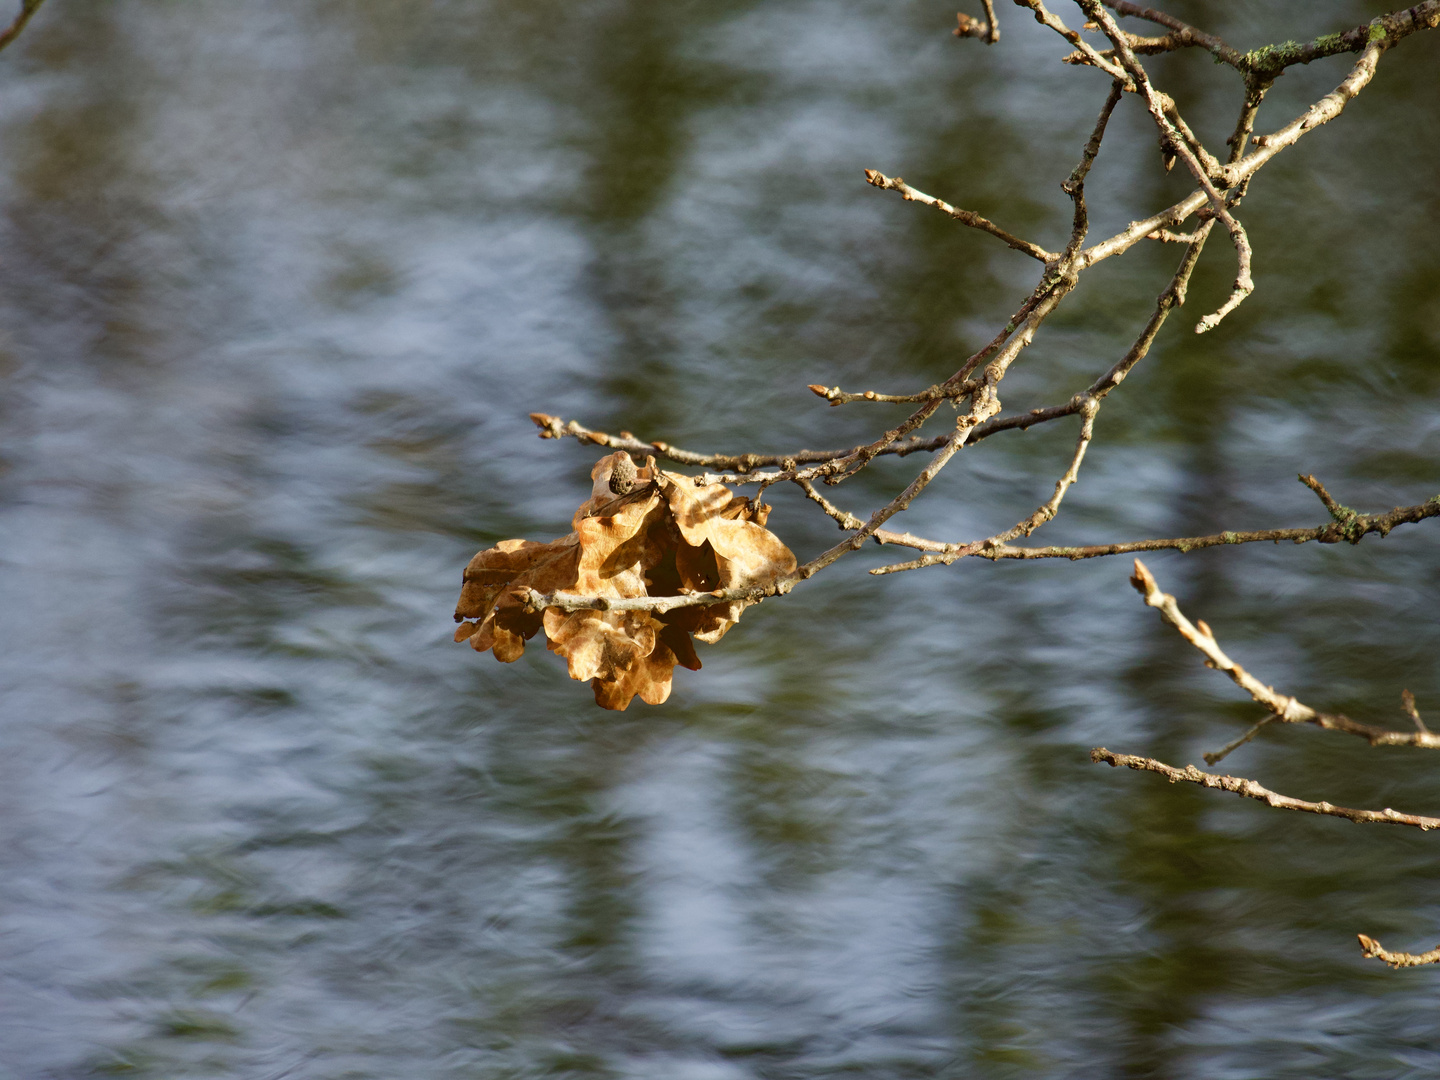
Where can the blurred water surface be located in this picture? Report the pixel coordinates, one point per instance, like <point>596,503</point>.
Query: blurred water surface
<point>280,283</point>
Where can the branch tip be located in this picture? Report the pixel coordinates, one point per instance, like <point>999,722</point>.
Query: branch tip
<point>1373,950</point>
<point>986,30</point>
<point>1143,580</point>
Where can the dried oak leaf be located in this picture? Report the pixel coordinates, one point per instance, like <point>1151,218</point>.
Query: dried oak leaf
<point>663,537</point>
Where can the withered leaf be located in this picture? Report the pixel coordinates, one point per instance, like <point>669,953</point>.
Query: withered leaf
<point>661,537</point>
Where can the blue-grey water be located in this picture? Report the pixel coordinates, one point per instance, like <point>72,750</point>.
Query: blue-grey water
<point>279,282</point>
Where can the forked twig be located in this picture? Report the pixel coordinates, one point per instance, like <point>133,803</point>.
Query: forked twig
<point>986,29</point>
<point>1284,708</point>
<point>974,388</point>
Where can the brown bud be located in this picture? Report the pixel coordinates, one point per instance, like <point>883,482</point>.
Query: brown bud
<point>622,476</point>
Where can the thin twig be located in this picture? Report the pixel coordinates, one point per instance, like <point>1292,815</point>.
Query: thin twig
<point>1046,511</point>
<point>965,217</point>
<point>1046,18</point>
<point>1141,46</point>
<point>1251,790</point>
<point>1333,533</point>
<point>1183,143</point>
<point>1168,237</point>
<point>1085,404</point>
<point>553,427</point>
<point>1235,744</point>
<point>856,540</point>
<point>1407,700</point>
<point>993,37</point>
<point>847,520</point>
<point>1074,185</point>
<point>1136,231</point>
<point>1382,33</point>
<point>1239,141</point>
<point>27,11</point>
<point>1286,709</point>
<point>1375,951</point>
<point>941,392</point>
<point>1181,32</point>
<point>986,29</point>
<point>1056,283</point>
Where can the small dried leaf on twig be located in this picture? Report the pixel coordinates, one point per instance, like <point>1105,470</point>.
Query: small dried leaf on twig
<point>642,533</point>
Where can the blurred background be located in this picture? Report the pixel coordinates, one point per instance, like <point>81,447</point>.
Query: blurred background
<point>279,282</point>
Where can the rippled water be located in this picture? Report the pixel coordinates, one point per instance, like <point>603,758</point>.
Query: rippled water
<point>280,283</point>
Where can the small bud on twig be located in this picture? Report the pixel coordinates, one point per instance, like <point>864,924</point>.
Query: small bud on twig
<point>623,475</point>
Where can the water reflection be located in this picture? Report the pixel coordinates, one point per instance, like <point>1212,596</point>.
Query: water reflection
<point>280,285</point>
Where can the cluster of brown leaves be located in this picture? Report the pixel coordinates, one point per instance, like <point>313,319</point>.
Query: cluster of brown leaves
<point>665,537</point>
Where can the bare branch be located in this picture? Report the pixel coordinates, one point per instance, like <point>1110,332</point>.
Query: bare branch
<point>1086,404</point>
<point>986,29</point>
<point>1342,514</point>
<point>984,404</point>
<point>1061,274</point>
<point>955,440</point>
<point>1235,744</point>
<point>1168,237</point>
<point>1046,18</point>
<point>1239,140</point>
<point>1172,297</point>
<point>1182,33</point>
<point>1286,709</point>
<point>1002,349</point>
<point>942,392</point>
<point>1270,60</point>
<point>1141,46</point>
<point>1382,33</point>
<point>27,11</point>
<point>993,37</point>
<point>552,427</point>
<point>1138,230</point>
<point>1375,951</point>
<point>965,217</point>
<point>1047,510</point>
<point>1332,533</point>
<point>1251,790</point>
<point>1179,138</point>
<point>1074,185</point>
<point>847,520</point>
